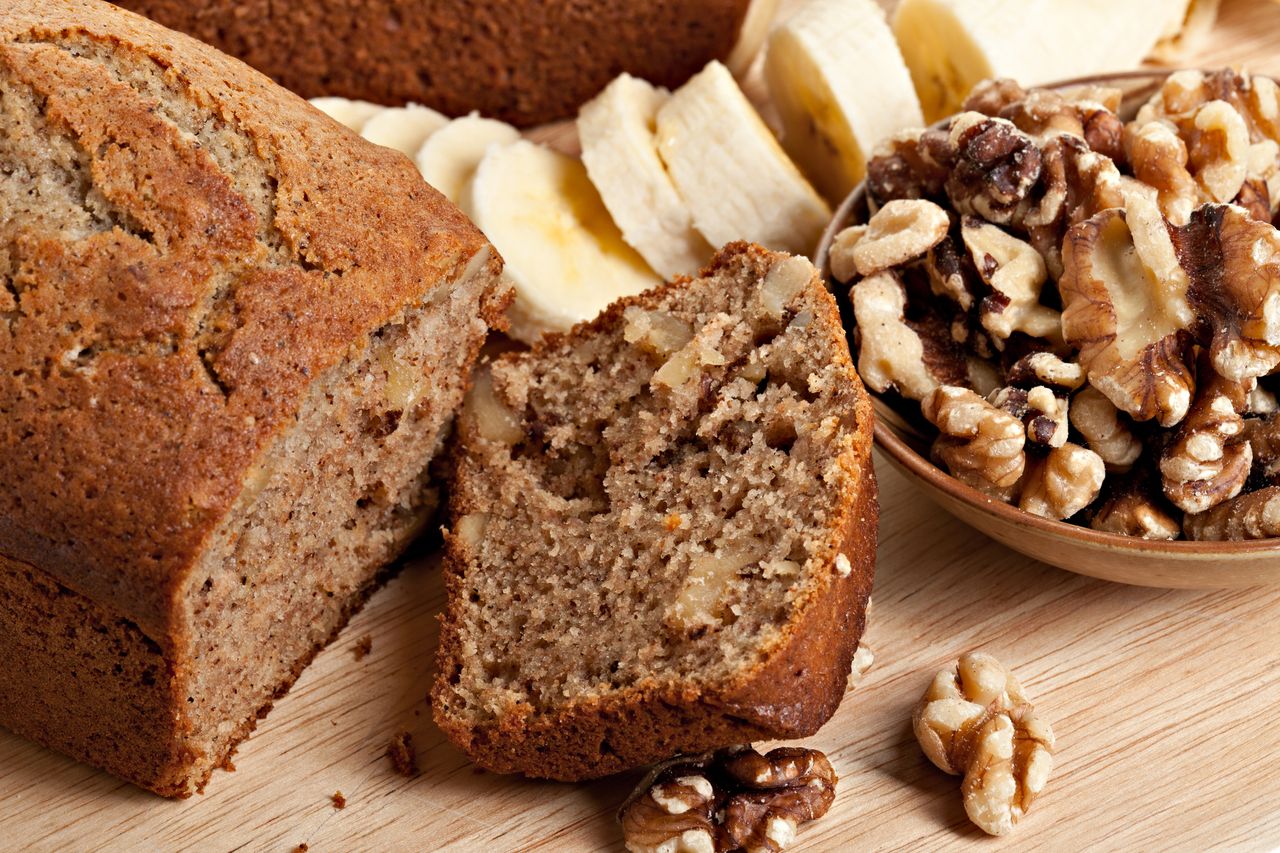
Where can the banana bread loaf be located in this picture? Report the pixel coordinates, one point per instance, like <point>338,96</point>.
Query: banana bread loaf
<point>232,335</point>
<point>523,61</point>
<point>663,529</point>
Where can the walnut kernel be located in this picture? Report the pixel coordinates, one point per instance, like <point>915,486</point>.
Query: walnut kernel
<point>978,443</point>
<point>975,720</point>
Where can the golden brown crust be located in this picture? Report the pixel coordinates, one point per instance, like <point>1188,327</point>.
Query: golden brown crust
<point>793,690</point>
<point>230,246</point>
<point>524,62</point>
<point>180,401</point>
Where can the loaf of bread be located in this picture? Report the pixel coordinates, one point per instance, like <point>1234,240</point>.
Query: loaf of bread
<point>663,529</point>
<point>523,61</point>
<point>231,339</point>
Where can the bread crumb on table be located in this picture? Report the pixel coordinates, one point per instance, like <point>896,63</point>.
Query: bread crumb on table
<point>339,801</point>
<point>404,758</point>
<point>363,646</point>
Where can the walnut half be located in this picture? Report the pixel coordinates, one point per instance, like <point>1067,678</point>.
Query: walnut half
<point>731,800</point>
<point>1125,308</point>
<point>980,444</point>
<point>975,720</point>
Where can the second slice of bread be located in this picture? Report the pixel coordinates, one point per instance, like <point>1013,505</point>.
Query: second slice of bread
<point>663,529</point>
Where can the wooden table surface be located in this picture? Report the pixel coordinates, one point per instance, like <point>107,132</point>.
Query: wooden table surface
<point>1166,706</point>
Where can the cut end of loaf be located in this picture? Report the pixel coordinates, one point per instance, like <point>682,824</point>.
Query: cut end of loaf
<point>663,528</point>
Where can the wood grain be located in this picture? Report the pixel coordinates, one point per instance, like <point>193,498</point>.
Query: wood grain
<point>1163,703</point>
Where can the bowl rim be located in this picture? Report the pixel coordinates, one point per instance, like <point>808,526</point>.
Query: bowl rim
<point>920,466</point>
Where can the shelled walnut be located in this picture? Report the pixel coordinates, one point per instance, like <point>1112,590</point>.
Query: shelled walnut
<point>1097,302</point>
<point>1208,460</point>
<point>975,721</point>
<point>1062,482</point>
<point>1253,515</point>
<point>980,444</point>
<point>732,800</point>
<point>1133,505</point>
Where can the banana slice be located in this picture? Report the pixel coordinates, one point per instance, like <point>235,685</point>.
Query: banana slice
<point>735,177</point>
<point>403,128</point>
<point>835,102</point>
<point>950,45</point>
<point>1186,35</point>
<point>751,35</point>
<point>351,113</point>
<point>565,257</point>
<point>449,156</point>
<point>621,156</point>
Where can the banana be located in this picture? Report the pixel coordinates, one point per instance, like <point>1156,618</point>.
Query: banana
<point>621,156</point>
<point>449,157</point>
<point>403,128</point>
<point>751,35</point>
<point>564,256</point>
<point>353,114</point>
<point>735,177</point>
<point>1185,35</point>
<point>836,102</point>
<point>950,45</point>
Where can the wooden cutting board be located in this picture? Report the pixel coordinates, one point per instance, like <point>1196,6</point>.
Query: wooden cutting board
<point>1166,705</point>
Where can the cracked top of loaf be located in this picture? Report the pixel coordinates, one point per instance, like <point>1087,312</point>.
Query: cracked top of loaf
<point>184,247</point>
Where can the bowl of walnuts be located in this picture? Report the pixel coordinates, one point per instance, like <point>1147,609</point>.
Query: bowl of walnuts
<point>1066,304</point>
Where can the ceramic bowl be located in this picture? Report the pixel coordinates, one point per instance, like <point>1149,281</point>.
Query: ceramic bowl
<point>904,437</point>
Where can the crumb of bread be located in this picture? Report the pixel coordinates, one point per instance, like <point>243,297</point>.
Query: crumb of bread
<point>404,759</point>
<point>301,848</point>
<point>339,801</point>
<point>363,646</point>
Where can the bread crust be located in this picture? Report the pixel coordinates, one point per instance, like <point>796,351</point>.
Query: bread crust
<point>792,691</point>
<point>524,62</point>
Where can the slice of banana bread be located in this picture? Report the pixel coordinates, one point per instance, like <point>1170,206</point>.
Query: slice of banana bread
<point>663,529</point>
<point>232,336</point>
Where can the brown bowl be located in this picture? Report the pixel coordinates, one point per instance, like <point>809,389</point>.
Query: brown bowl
<point>900,434</point>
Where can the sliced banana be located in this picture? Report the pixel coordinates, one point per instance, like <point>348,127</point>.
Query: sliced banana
<point>751,35</point>
<point>566,259</point>
<point>450,156</point>
<point>344,111</point>
<point>621,156</point>
<point>1185,36</point>
<point>734,176</point>
<point>403,128</point>
<point>836,102</point>
<point>950,45</point>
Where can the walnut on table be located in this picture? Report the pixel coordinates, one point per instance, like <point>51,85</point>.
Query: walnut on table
<point>734,799</point>
<point>975,721</point>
